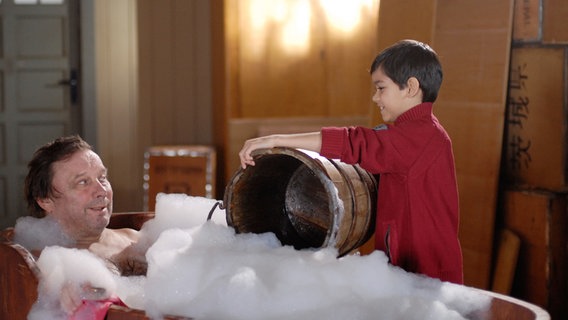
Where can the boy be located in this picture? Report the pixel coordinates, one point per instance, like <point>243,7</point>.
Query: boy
<point>417,207</point>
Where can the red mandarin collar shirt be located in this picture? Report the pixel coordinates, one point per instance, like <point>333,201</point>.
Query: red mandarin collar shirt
<point>417,208</point>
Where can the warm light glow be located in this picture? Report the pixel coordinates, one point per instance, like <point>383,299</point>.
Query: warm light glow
<point>258,20</point>
<point>279,10</point>
<point>345,15</point>
<point>26,2</point>
<point>288,22</point>
<point>296,29</point>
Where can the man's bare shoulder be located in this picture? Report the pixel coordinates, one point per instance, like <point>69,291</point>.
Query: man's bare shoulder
<point>123,234</point>
<point>119,247</point>
<point>126,233</point>
<point>113,241</point>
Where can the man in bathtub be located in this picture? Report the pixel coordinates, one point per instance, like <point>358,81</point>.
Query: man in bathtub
<point>68,193</point>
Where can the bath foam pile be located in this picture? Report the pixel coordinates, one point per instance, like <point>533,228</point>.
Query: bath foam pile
<point>204,270</point>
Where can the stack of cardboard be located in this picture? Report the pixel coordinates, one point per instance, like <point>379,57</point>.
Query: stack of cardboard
<point>535,154</point>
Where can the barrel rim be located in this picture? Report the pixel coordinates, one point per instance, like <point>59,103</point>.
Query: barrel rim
<point>333,180</point>
<point>316,163</point>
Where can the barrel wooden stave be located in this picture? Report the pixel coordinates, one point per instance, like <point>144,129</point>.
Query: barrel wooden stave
<point>308,201</point>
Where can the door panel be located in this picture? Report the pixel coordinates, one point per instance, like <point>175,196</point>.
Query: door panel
<point>37,58</point>
<point>47,96</point>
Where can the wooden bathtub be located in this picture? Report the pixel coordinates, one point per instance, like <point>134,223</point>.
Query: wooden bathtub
<point>19,276</point>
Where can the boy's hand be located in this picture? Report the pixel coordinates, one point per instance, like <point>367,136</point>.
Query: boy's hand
<point>251,145</point>
<point>309,141</point>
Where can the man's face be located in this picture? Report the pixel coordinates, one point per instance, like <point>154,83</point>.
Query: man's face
<point>82,197</point>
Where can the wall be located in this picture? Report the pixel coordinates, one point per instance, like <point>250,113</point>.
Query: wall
<point>175,88</point>
<point>174,71</point>
<point>116,85</point>
<point>152,83</point>
<point>324,79</point>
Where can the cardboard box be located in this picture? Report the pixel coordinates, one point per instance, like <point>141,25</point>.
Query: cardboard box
<point>536,124</point>
<point>540,21</point>
<point>554,27</point>
<point>178,169</point>
<point>527,21</point>
<point>471,104</point>
<point>540,219</point>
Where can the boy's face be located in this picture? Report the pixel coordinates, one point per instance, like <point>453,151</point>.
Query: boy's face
<point>389,97</point>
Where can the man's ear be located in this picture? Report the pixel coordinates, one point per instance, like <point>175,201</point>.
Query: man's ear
<point>412,86</point>
<point>46,204</point>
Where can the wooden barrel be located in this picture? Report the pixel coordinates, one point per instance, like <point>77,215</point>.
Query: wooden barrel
<point>306,200</point>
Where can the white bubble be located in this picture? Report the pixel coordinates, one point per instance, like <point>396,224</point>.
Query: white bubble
<point>205,270</point>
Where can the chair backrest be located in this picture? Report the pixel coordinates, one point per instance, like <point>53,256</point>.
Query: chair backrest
<point>20,275</point>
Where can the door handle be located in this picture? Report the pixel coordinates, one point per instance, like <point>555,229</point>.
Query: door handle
<point>73,84</point>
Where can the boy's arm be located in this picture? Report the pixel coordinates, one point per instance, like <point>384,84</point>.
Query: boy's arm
<point>309,141</point>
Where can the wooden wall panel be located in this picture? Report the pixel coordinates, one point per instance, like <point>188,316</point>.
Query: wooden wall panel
<point>220,83</point>
<point>404,19</point>
<point>240,130</point>
<point>278,79</point>
<point>331,80</point>
<point>348,61</point>
<point>153,84</point>
<point>175,71</point>
<point>116,96</point>
<point>475,56</point>
<point>161,96</point>
<point>327,75</point>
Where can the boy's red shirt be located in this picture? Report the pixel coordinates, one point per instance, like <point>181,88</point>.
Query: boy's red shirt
<point>417,207</point>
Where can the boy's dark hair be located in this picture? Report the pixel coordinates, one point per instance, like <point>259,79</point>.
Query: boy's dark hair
<point>410,58</point>
<point>40,173</point>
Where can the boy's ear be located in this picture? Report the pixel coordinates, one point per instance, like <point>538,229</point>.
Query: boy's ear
<point>413,86</point>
